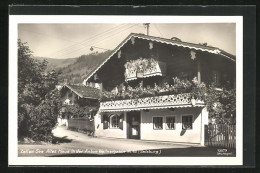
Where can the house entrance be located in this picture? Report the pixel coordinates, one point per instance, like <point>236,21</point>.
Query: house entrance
<point>133,125</point>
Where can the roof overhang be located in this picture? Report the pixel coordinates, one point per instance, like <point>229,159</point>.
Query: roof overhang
<point>77,93</point>
<point>73,90</point>
<point>151,108</point>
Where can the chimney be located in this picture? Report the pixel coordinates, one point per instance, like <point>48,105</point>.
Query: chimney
<point>175,39</point>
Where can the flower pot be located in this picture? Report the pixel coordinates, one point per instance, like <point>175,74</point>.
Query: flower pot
<point>140,74</point>
<point>130,75</point>
<point>193,102</point>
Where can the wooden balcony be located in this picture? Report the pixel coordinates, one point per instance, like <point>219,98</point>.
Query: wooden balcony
<point>130,75</point>
<point>158,70</point>
<point>157,102</point>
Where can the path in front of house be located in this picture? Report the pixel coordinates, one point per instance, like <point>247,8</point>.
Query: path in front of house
<point>79,144</point>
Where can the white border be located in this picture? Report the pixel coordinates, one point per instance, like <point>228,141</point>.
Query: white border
<point>13,158</point>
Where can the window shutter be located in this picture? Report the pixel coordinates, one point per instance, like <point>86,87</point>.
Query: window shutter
<point>121,120</point>
<point>102,118</point>
<point>105,122</point>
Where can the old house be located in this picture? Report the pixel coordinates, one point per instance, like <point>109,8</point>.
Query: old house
<point>135,79</point>
<point>80,95</point>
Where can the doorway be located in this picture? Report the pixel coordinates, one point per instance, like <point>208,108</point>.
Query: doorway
<point>133,125</point>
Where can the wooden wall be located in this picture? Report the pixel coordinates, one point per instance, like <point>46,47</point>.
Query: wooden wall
<point>178,64</point>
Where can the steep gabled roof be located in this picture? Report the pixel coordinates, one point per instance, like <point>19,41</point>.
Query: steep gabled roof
<point>200,47</point>
<point>84,91</point>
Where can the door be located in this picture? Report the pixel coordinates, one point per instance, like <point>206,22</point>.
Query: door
<point>133,122</point>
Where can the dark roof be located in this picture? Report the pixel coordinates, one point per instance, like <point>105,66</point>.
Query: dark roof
<point>200,47</point>
<point>84,91</point>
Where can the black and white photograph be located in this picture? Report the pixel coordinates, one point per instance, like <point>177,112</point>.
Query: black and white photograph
<point>149,88</point>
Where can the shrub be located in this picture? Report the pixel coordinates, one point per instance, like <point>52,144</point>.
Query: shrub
<point>76,111</point>
<point>43,118</point>
<point>38,103</point>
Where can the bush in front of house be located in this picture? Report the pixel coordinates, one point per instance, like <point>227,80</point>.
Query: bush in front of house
<point>76,111</point>
<point>38,100</point>
<point>81,118</point>
<point>43,118</point>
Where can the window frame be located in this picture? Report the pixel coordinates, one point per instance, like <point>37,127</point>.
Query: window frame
<point>192,119</point>
<point>174,124</point>
<point>153,122</point>
<point>111,120</point>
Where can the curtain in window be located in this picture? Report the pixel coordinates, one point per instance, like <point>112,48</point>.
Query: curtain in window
<point>157,123</point>
<point>187,122</point>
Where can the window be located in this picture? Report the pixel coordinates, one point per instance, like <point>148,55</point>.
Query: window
<point>114,121</point>
<point>170,123</point>
<point>187,122</point>
<point>157,122</point>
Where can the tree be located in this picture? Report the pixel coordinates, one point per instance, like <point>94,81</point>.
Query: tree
<point>29,70</point>
<point>43,117</point>
<point>221,104</point>
<point>77,111</point>
<point>34,87</point>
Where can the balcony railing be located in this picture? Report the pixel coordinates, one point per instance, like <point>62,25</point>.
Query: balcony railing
<point>157,102</point>
<point>159,69</point>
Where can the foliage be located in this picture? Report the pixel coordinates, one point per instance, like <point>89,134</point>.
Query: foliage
<point>30,70</point>
<point>221,103</point>
<point>43,118</point>
<point>34,87</point>
<point>76,111</point>
<point>140,65</point>
<point>130,65</point>
<point>128,92</point>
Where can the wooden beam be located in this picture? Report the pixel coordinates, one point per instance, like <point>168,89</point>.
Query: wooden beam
<point>198,69</point>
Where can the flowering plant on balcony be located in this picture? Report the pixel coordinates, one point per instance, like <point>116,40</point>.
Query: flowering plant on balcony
<point>128,92</point>
<point>140,65</point>
<point>130,65</point>
<point>220,104</point>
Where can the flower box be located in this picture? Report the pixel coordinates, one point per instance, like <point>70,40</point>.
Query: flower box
<point>130,75</point>
<point>158,69</point>
<point>143,67</point>
<point>139,75</point>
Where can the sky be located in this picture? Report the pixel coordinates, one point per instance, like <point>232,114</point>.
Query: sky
<point>73,40</point>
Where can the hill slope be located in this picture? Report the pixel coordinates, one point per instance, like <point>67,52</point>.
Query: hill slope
<point>54,64</point>
<point>74,69</point>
